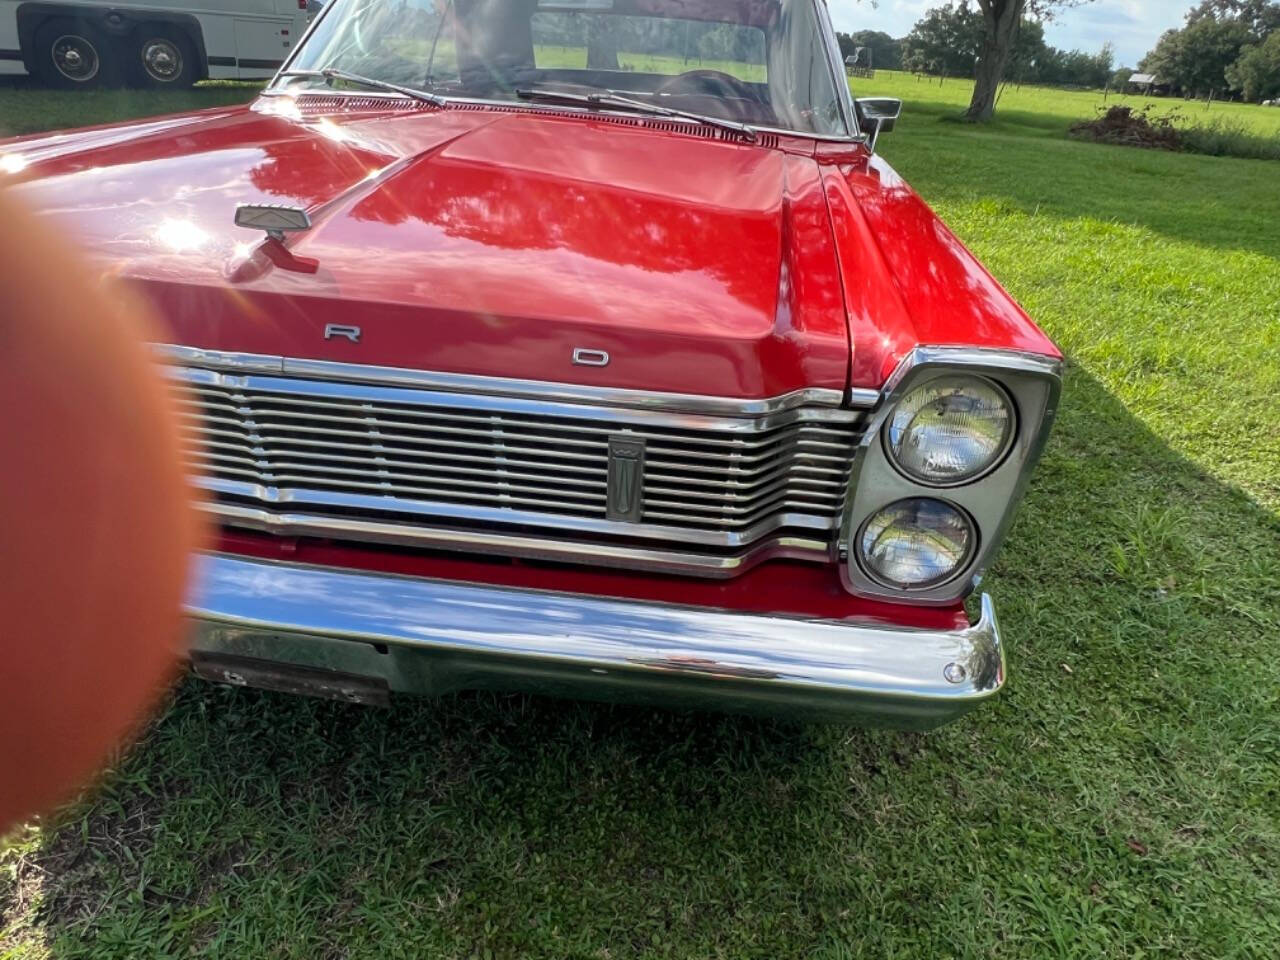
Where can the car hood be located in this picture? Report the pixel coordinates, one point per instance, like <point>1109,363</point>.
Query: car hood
<point>477,241</point>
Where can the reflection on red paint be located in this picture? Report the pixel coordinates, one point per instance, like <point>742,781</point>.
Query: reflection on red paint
<point>494,242</point>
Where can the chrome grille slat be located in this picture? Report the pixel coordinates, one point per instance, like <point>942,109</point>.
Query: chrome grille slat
<point>735,495</point>
<point>244,461</point>
<point>480,478</point>
<point>212,448</point>
<point>435,463</point>
<point>728,513</point>
<point>444,494</point>
<point>424,447</point>
<point>281,454</point>
<point>685,474</point>
<point>601,449</point>
<point>740,432</point>
<point>746,461</point>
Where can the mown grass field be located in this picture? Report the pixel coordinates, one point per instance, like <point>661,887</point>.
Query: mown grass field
<point>1041,107</point>
<point>1121,799</point>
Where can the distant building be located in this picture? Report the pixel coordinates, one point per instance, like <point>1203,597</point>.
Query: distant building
<point>1146,83</point>
<point>860,64</point>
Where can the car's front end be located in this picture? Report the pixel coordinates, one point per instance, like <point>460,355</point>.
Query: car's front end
<point>619,399</point>
<point>744,555</point>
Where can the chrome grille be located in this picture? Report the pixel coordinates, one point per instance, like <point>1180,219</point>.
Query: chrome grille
<point>507,474</point>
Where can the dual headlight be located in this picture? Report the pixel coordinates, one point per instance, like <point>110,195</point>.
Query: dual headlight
<point>947,432</point>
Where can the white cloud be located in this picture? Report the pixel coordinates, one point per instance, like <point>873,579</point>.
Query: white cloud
<point>1132,25</point>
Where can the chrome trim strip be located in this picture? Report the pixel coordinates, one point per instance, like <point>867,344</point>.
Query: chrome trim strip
<point>840,80</point>
<point>1017,361</point>
<point>863,398</point>
<point>654,558</point>
<point>436,636</point>
<point>386,391</point>
<point>1034,382</point>
<point>218,359</point>
<point>511,387</point>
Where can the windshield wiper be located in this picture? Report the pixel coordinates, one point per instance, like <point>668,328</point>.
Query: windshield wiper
<point>332,73</point>
<point>610,99</point>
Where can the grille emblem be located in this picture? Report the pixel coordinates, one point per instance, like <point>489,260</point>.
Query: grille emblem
<point>332,330</point>
<point>626,479</point>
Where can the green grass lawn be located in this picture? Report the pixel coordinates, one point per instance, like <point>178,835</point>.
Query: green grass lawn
<point>1049,110</point>
<point>26,108</point>
<point>1121,799</point>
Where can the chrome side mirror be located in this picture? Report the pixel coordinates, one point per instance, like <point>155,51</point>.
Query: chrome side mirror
<point>878,115</point>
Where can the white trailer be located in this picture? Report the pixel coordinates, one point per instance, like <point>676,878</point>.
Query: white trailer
<point>85,43</point>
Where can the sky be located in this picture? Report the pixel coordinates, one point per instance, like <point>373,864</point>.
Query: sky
<point>1132,25</point>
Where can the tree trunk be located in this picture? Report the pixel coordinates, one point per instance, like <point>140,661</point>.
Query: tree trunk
<point>602,46</point>
<point>1000,20</point>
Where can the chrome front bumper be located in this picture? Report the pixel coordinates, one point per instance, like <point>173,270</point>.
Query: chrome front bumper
<point>356,635</point>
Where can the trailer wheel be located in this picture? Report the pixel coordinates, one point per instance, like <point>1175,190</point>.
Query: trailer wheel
<point>73,54</point>
<point>163,57</point>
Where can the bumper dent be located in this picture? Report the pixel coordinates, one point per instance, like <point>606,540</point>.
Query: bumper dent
<point>434,636</point>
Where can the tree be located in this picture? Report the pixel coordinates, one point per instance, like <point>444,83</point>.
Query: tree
<point>602,44</point>
<point>944,41</point>
<point>886,52</point>
<point>1029,54</point>
<point>1262,17</point>
<point>1196,58</point>
<point>1257,73</point>
<point>948,40</point>
<point>1000,20</point>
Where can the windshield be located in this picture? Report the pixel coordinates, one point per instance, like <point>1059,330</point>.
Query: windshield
<point>758,62</point>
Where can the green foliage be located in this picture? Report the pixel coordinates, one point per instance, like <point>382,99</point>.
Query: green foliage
<point>1226,45</point>
<point>1120,77</point>
<point>1260,17</point>
<point>1048,111</point>
<point>1226,137</point>
<point>1257,73</point>
<point>948,40</point>
<point>1221,136</point>
<point>1073,67</point>
<point>886,52</point>
<point>1196,58</point>
<point>648,36</point>
<point>1119,800</point>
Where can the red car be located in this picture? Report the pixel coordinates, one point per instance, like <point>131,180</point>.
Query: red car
<point>574,346</point>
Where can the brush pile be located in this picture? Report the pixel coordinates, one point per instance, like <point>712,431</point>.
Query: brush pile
<point>1130,128</point>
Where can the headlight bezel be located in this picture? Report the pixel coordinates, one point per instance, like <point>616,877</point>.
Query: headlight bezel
<point>1032,382</point>
<point>1006,443</point>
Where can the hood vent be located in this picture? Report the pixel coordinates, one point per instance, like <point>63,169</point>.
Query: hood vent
<point>315,105</point>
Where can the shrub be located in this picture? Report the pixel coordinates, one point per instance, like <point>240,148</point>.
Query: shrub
<point>1220,137</point>
<point>1224,137</point>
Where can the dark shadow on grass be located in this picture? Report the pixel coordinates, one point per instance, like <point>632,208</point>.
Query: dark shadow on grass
<point>262,824</point>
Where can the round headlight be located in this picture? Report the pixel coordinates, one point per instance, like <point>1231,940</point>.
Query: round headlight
<point>916,543</point>
<point>950,430</point>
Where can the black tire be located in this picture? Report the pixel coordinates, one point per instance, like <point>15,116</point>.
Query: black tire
<point>162,58</point>
<point>73,55</point>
